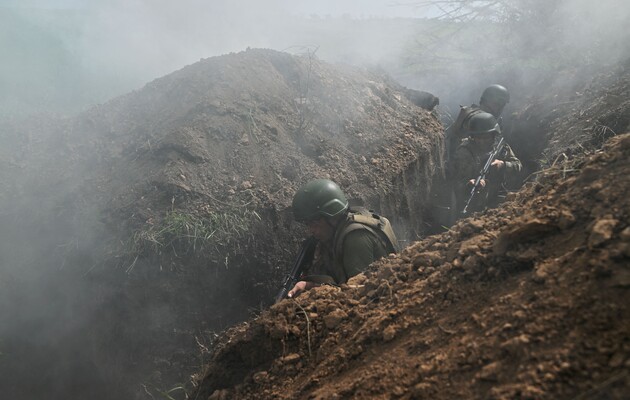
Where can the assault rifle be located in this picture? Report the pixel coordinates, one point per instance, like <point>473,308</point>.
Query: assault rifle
<point>482,174</point>
<point>304,257</point>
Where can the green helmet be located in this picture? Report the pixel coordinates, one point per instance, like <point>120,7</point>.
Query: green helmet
<point>495,94</point>
<point>318,198</point>
<point>483,122</point>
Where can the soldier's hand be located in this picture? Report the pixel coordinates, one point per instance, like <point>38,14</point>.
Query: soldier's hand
<point>300,287</point>
<point>498,164</point>
<point>482,182</point>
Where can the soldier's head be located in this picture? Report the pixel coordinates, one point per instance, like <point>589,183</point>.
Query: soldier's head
<point>494,98</point>
<point>319,204</point>
<point>482,130</point>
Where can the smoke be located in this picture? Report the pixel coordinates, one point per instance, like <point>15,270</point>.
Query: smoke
<point>151,39</point>
<point>56,302</point>
<point>469,45</point>
<point>595,30</point>
<point>79,53</point>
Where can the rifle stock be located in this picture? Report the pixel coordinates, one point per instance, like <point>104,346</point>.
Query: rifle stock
<point>303,258</point>
<point>482,174</point>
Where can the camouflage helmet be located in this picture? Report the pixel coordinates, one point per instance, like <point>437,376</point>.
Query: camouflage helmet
<point>318,198</point>
<point>481,123</point>
<point>495,94</point>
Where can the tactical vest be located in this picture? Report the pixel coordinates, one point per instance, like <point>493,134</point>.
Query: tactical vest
<point>460,126</point>
<point>456,131</point>
<point>362,218</point>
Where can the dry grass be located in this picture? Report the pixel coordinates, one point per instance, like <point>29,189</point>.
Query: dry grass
<point>185,233</point>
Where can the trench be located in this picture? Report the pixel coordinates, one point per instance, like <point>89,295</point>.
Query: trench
<point>210,297</point>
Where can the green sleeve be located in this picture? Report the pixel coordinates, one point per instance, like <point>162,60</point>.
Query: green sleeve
<point>512,164</point>
<point>360,249</point>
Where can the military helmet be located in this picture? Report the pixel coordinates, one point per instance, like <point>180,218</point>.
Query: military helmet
<point>495,94</point>
<point>483,122</point>
<point>318,198</point>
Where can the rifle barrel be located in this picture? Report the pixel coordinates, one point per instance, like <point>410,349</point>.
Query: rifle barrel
<point>484,171</point>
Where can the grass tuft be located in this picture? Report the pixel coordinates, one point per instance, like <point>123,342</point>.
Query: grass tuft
<point>186,233</point>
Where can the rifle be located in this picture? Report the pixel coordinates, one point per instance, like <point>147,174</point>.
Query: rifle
<point>482,174</point>
<point>303,258</point>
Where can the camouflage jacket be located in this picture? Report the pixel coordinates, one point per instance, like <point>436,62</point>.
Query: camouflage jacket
<point>467,164</point>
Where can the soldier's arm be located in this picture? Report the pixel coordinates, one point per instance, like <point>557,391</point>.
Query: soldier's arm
<point>512,163</point>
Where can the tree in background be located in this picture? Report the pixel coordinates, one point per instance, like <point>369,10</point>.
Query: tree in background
<point>478,36</point>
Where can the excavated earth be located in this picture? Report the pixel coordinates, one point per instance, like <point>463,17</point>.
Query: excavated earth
<point>135,230</point>
<point>527,301</point>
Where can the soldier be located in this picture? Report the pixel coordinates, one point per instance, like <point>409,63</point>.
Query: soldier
<point>349,239</point>
<point>470,158</point>
<point>445,209</point>
<point>493,100</point>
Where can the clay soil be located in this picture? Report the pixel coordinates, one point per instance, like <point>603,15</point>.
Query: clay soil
<point>527,301</point>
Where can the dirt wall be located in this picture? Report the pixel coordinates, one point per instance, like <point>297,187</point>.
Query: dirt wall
<point>526,301</point>
<point>167,209</point>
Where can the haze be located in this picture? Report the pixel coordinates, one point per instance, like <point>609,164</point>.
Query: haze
<point>64,56</point>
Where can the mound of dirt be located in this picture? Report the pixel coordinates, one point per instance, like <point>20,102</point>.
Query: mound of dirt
<point>249,128</point>
<point>169,205</point>
<point>202,164</point>
<point>524,302</point>
<point>527,301</point>
<point>575,114</point>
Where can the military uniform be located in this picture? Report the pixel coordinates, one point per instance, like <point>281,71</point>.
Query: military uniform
<point>444,211</point>
<point>493,100</point>
<point>360,239</point>
<point>468,162</point>
<point>350,239</point>
<point>456,132</point>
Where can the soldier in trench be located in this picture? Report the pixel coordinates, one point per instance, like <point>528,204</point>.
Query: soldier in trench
<point>471,156</point>
<point>493,100</point>
<point>349,238</point>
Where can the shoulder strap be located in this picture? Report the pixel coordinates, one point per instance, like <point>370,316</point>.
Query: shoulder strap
<point>361,218</point>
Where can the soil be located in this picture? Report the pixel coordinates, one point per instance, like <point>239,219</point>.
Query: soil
<point>164,214</point>
<point>522,302</point>
<point>576,112</point>
<point>135,231</point>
